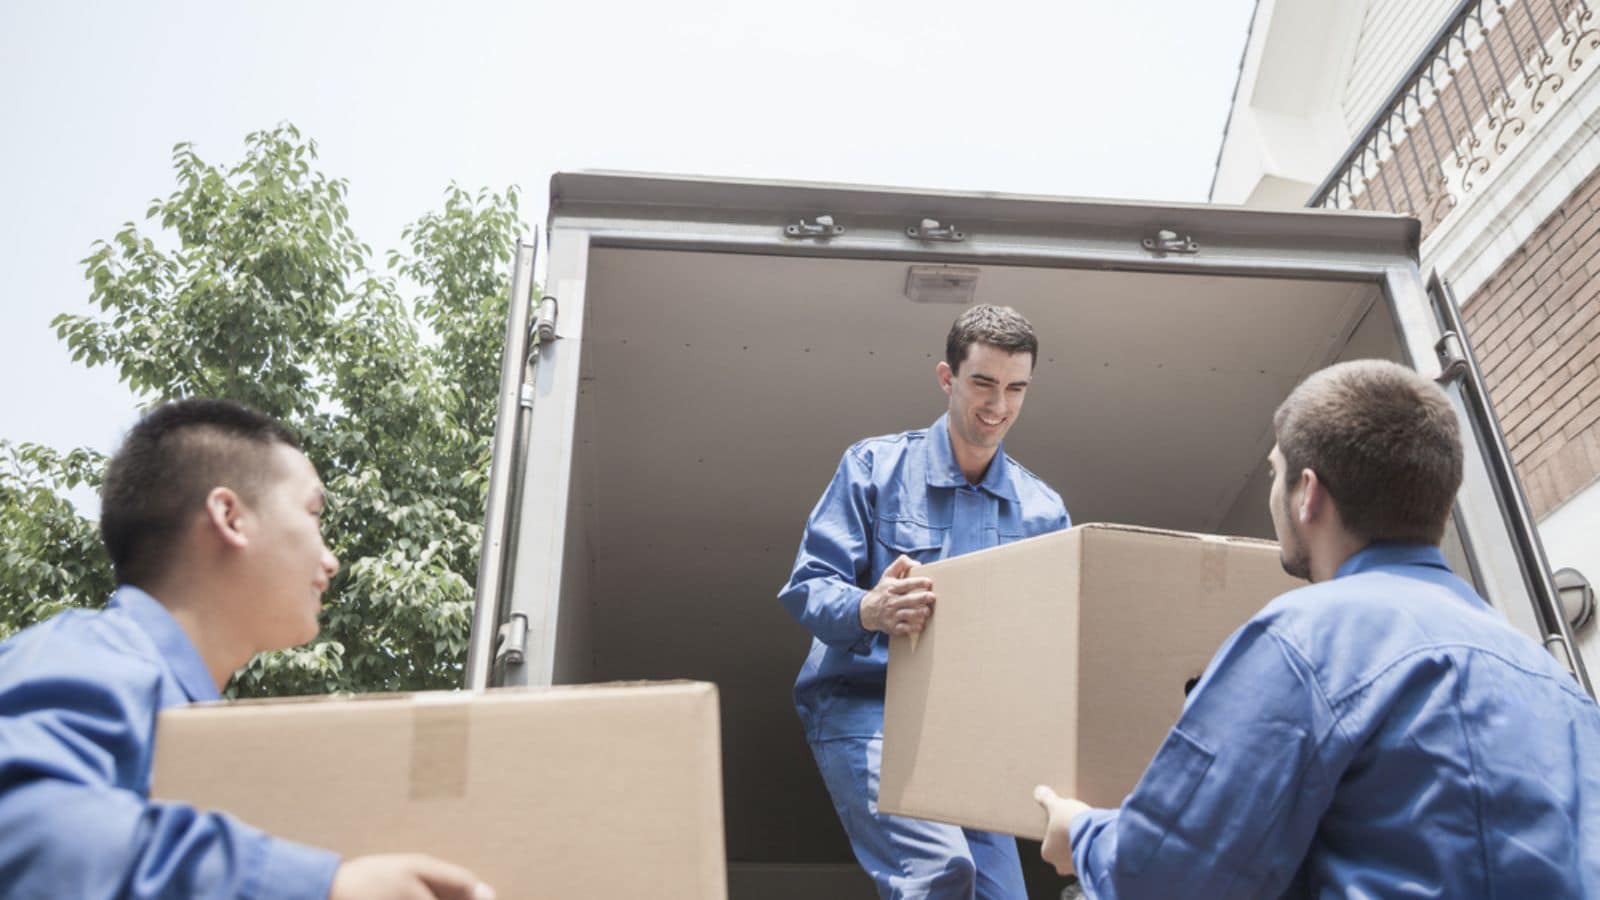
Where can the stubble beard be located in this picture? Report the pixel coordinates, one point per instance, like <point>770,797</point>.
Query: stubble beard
<point>1292,554</point>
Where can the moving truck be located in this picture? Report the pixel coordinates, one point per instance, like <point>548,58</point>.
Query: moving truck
<point>705,349</point>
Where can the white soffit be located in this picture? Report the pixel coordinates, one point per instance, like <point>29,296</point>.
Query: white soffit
<point>1288,118</point>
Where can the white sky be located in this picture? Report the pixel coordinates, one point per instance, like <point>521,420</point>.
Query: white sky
<point>1066,97</point>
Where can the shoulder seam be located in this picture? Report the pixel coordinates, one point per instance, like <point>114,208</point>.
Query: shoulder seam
<point>895,438</point>
<point>1366,681</point>
<point>1288,646</point>
<point>1037,481</point>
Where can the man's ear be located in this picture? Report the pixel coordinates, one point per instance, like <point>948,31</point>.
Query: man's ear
<point>946,375</point>
<point>224,512</point>
<point>1312,497</point>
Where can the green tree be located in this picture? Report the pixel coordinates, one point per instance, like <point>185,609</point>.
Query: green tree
<point>51,555</point>
<point>256,289</point>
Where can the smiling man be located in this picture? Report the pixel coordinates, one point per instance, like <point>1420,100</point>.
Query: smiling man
<point>212,518</point>
<point>895,501</point>
<point>1381,733</point>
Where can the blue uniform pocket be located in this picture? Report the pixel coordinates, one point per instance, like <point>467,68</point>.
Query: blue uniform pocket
<point>1156,804</point>
<point>916,540</point>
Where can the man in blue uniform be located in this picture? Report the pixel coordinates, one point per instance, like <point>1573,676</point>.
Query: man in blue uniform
<point>894,501</point>
<point>1380,733</point>
<point>211,516</point>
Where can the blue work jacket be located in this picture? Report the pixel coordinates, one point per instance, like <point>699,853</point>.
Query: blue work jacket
<point>79,695</point>
<point>1382,734</point>
<point>900,493</point>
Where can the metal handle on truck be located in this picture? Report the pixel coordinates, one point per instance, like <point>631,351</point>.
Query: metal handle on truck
<point>1460,364</point>
<point>508,445</point>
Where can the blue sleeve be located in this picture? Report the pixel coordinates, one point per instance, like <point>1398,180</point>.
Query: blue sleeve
<point>76,735</point>
<point>1230,803</point>
<point>823,592</point>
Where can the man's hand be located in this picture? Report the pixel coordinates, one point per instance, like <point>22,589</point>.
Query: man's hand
<point>405,876</point>
<point>1057,849</point>
<point>898,605</point>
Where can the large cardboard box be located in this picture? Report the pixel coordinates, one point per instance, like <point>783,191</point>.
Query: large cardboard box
<point>1059,660</point>
<point>593,792</point>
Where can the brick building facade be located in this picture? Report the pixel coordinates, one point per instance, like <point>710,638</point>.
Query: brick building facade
<point>1482,120</point>
<point>1535,325</point>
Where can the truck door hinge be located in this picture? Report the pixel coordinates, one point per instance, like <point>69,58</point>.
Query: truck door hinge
<point>1168,241</point>
<point>542,330</point>
<point>1452,358</point>
<point>513,647</point>
<point>822,229</point>
<point>932,230</point>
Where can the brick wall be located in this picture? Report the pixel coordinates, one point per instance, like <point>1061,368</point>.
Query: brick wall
<point>1535,326</point>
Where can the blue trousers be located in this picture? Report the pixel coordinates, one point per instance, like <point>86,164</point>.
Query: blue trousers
<point>910,859</point>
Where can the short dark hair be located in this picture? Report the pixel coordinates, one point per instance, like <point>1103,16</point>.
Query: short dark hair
<point>997,326</point>
<point>1385,443</point>
<point>160,476</point>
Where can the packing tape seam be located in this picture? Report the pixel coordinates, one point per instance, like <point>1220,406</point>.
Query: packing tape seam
<point>440,745</point>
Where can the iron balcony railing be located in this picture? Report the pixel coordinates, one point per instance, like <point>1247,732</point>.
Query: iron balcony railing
<point>1488,71</point>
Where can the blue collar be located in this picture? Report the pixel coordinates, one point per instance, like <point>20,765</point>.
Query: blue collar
<point>944,471</point>
<point>1379,554</point>
<point>182,658</point>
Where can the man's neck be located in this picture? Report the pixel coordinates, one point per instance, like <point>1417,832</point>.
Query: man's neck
<point>973,461</point>
<point>221,650</point>
<point>1335,551</point>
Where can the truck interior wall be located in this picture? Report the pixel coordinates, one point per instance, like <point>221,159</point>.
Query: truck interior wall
<point>1372,338</point>
<point>720,390</point>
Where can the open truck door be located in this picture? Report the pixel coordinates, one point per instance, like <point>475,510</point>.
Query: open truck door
<point>705,350</point>
<point>1517,553</point>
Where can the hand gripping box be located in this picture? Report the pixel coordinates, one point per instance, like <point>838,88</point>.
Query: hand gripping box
<point>1059,660</point>
<point>610,791</point>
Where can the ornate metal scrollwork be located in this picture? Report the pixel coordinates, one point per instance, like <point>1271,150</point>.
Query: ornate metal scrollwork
<point>1501,139</point>
<point>1590,37</point>
<point>1474,92</point>
<point>1555,80</point>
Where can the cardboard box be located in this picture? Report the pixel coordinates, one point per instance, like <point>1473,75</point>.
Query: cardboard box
<point>609,791</point>
<point>1059,660</point>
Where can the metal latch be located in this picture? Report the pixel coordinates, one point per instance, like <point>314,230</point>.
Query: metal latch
<point>1167,241</point>
<point>821,229</point>
<point>1452,358</point>
<point>513,648</point>
<point>932,230</point>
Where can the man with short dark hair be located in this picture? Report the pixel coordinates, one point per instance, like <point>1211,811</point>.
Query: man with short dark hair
<point>1381,733</point>
<point>211,515</point>
<point>895,501</point>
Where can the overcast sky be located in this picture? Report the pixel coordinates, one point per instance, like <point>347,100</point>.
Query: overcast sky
<point>1094,99</point>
